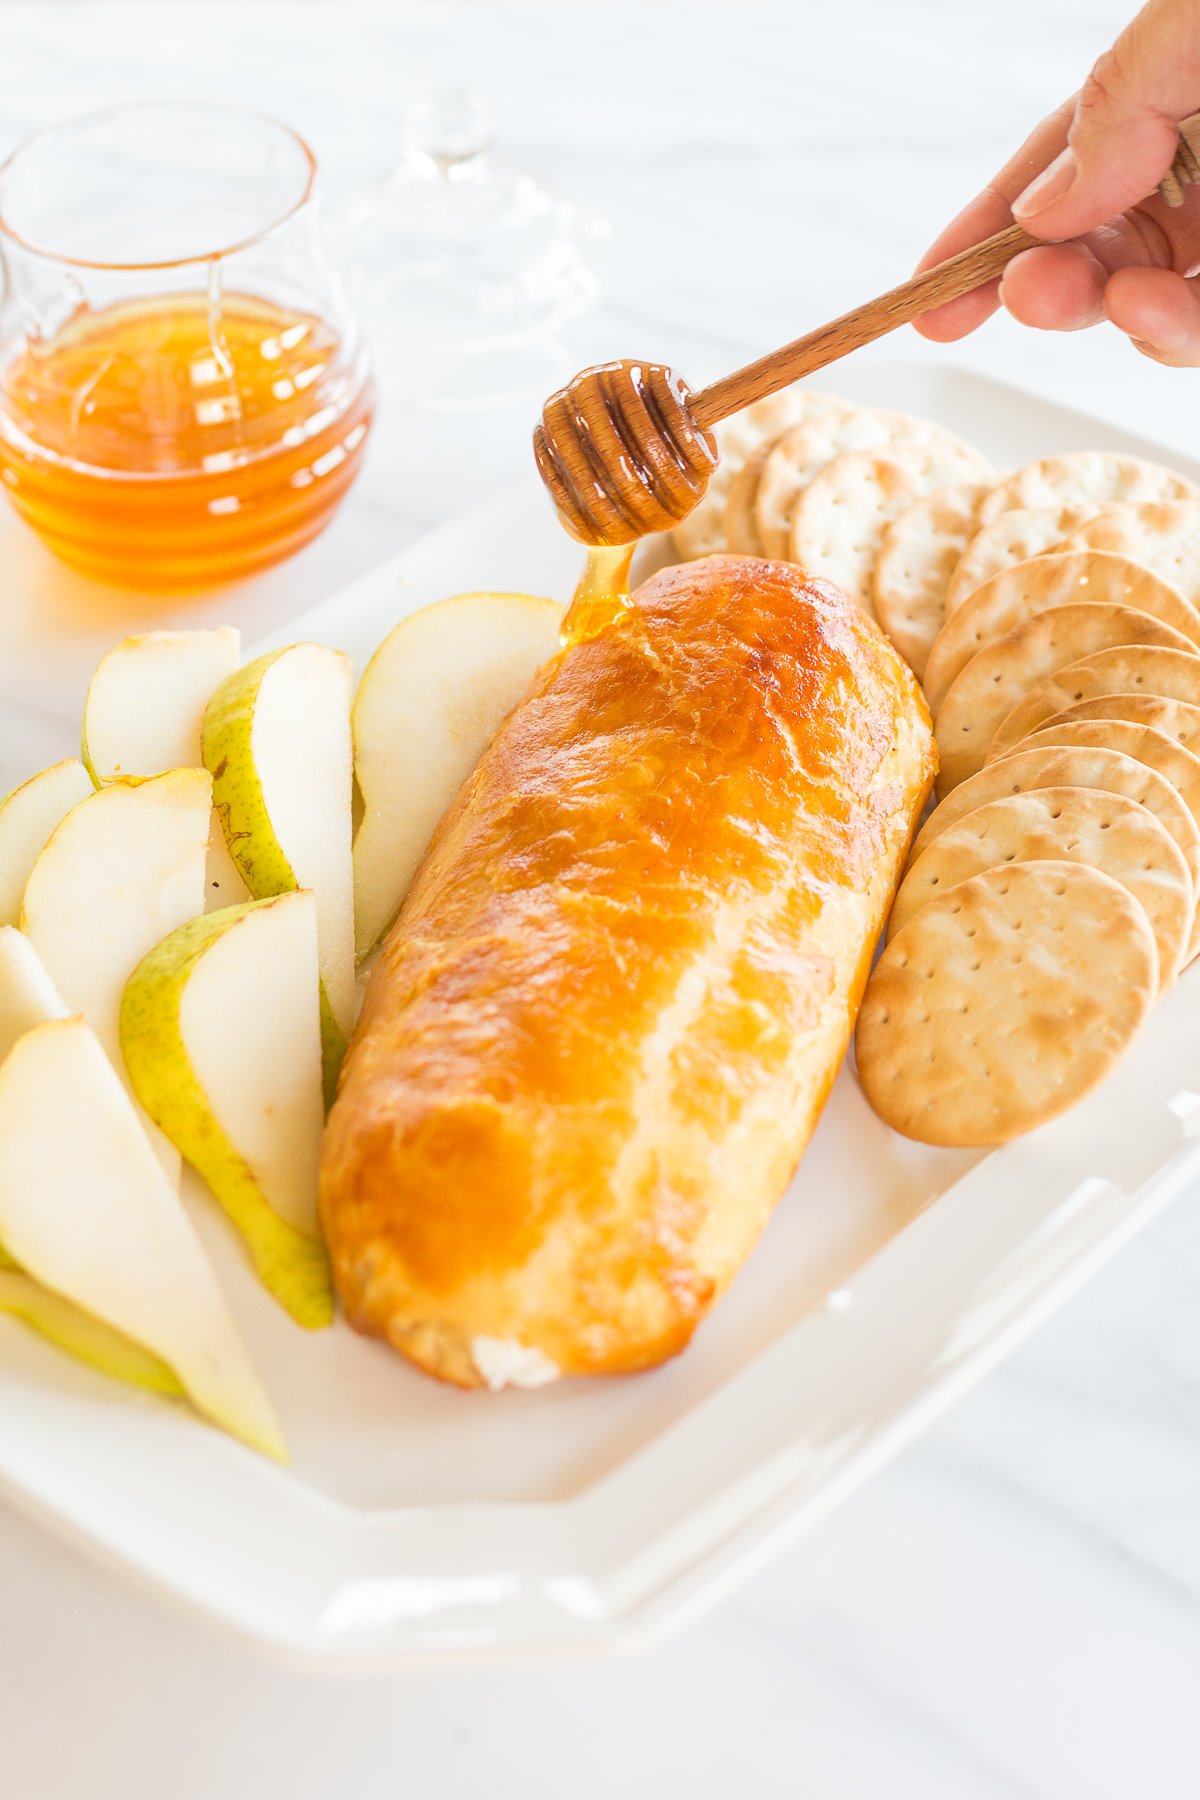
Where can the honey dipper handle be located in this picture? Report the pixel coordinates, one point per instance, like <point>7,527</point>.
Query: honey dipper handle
<point>960,274</point>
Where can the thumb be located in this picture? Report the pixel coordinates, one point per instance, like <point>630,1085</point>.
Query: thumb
<point>1124,135</point>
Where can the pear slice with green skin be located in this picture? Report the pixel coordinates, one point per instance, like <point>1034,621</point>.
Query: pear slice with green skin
<point>221,1035</point>
<point>86,1211</point>
<point>27,818</point>
<point>144,714</point>
<point>123,868</point>
<point>28,997</point>
<point>277,744</point>
<point>427,707</point>
<point>87,1339</point>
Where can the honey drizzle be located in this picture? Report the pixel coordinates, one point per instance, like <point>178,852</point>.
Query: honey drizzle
<point>602,595</point>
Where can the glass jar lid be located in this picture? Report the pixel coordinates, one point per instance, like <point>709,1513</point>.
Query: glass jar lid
<point>464,265</point>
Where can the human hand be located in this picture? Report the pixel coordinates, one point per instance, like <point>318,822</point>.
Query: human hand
<point>1083,176</point>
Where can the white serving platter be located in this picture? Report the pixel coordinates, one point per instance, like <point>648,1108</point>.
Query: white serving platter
<point>418,1522</point>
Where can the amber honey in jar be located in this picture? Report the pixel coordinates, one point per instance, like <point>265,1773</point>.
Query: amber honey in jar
<point>184,398</point>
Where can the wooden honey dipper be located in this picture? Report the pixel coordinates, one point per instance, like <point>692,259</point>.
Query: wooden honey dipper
<point>626,448</point>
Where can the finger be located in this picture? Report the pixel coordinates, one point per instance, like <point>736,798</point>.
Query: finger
<point>1160,311</point>
<point>1058,288</point>
<point>972,225</point>
<point>992,209</point>
<point>1154,235</point>
<point>987,213</point>
<point>958,317</point>
<point>1124,134</point>
<point>1061,287</point>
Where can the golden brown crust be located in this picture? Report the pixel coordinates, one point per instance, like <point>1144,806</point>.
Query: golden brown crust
<point>601,1032</point>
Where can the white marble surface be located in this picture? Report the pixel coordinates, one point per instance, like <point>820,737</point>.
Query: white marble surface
<point>1014,1608</point>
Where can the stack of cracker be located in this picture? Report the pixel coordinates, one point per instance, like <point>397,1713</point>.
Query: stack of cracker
<point>805,477</point>
<point>1053,617</point>
<point>1052,895</point>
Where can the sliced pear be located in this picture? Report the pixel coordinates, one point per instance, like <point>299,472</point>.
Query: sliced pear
<point>144,714</point>
<point>125,867</point>
<point>87,1339</point>
<point>144,710</point>
<point>86,1211</point>
<point>220,1026</point>
<point>277,741</point>
<point>427,707</point>
<point>28,997</point>
<point>27,817</point>
<point>223,884</point>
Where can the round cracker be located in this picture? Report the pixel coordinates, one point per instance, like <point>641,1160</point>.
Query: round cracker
<point>1075,577</point>
<point>741,531</point>
<point>1086,478</point>
<point>994,682</point>
<point>841,516</point>
<point>1123,669</point>
<point>703,531</point>
<point>801,453</point>
<point>1011,538</point>
<point>1174,718</point>
<point>1145,744</point>
<point>1004,1002</point>
<point>1174,769</point>
<point>917,556</point>
<point>1162,534</point>
<point>1069,824</point>
<point>1082,761</point>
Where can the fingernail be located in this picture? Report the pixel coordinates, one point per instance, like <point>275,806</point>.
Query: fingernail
<point>1051,185</point>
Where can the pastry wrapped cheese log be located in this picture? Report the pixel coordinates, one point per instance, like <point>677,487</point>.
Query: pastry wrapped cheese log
<point>601,1032</point>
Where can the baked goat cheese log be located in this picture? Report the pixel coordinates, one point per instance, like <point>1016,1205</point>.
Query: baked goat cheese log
<point>601,1032</point>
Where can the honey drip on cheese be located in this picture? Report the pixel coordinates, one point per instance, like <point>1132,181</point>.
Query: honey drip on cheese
<point>602,594</point>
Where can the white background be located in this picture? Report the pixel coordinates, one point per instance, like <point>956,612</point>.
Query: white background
<point>1014,1608</point>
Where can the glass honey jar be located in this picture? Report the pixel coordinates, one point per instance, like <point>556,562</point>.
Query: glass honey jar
<point>184,394</point>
